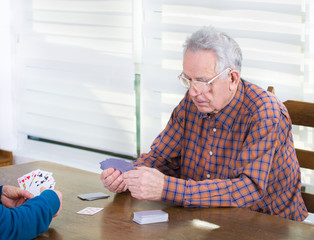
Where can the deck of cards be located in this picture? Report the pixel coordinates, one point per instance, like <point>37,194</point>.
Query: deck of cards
<point>93,196</point>
<point>36,179</point>
<point>153,216</point>
<point>117,163</point>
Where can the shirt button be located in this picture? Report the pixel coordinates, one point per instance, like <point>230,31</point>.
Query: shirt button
<point>208,175</point>
<point>210,153</point>
<point>214,129</point>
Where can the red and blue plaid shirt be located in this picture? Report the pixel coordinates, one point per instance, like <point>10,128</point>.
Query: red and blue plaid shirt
<point>242,156</point>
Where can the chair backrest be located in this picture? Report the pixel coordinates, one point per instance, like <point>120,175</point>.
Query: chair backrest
<point>302,114</point>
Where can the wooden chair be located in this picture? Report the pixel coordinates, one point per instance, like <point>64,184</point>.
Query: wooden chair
<point>302,114</point>
<point>6,158</point>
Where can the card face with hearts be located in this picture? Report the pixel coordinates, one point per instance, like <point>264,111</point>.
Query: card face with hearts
<point>36,179</point>
<point>21,182</point>
<point>90,210</point>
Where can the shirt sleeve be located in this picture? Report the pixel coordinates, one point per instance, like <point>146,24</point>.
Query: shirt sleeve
<point>30,219</point>
<point>249,183</point>
<point>1,193</point>
<point>165,153</point>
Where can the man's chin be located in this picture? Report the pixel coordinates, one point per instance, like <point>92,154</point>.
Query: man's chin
<point>204,109</point>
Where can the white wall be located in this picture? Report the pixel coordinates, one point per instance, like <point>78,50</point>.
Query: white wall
<point>8,139</point>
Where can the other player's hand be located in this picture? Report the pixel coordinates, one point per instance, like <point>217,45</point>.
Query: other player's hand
<point>59,196</point>
<point>14,197</point>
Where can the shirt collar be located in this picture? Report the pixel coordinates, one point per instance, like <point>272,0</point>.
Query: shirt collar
<point>228,114</point>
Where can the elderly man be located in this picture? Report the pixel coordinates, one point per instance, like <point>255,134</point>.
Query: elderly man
<point>227,144</point>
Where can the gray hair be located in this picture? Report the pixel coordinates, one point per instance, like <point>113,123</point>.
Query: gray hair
<point>227,49</point>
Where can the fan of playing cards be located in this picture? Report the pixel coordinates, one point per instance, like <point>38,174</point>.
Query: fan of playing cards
<point>36,179</point>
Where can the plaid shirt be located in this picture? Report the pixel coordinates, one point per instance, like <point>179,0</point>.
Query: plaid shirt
<point>242,156</point>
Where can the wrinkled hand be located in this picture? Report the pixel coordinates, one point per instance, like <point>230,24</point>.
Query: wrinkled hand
<point>145,183</point>
<point>113,180</point>
<point>14,197</point>
<point>59,196</point>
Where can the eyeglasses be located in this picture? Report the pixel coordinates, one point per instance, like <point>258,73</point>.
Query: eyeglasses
<point>201,85</point>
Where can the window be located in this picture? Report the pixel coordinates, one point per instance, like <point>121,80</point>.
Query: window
<point>74,71</point>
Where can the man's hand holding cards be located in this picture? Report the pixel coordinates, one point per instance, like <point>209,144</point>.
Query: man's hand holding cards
<point>36,179</point>
<point>111,174</point>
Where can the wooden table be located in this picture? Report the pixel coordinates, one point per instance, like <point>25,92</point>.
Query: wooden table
<point>115,221</point>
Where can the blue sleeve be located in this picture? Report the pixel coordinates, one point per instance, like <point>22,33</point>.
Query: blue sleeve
<point>0,193</point>
<point>30,219</point>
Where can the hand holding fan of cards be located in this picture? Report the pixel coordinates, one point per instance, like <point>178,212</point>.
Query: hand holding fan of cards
<point>36,179</point>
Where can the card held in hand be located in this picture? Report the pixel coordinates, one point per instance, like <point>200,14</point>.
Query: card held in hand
<point>36,179</point>
<point>118,164</point>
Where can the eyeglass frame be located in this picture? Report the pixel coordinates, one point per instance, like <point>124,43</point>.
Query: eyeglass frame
<point>206,83</point>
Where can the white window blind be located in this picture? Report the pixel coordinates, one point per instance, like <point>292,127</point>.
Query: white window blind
<point>304,136</point>
<point>76,58</point>
<point>74,71</point>
<point>270,33</point>
<point>309,51</point>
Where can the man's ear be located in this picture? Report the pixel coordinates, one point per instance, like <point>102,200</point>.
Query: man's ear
<point>234,79</point>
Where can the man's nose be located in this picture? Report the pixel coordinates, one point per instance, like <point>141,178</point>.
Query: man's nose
<point>194,91</point>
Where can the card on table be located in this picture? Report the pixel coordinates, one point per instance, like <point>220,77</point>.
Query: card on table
<point>93,196</point>
<point>152,216</point>
<point>118,164</point>
<point>90,210</point>
<point>36,179</point>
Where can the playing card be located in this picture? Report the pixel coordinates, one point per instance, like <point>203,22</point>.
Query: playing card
<point>21,182</point>
<point>92,196</point>
<point>36,179</point>
<point>27,179</point>
<point>33,176</point>
<point>118,164</point>
<point>42,179</point>
<point>24,181</point>
<point>90,210</point>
